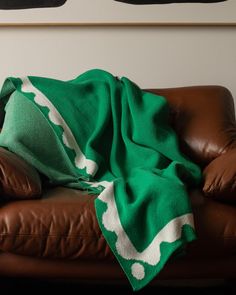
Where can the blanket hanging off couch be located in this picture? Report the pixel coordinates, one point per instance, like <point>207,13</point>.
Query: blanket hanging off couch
<point>107,136</point>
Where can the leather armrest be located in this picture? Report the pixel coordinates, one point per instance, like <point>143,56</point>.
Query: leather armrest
<point>220,177</point>
<point>18,179</point>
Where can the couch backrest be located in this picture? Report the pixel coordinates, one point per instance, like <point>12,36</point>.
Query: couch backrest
<point>204,119</point>
<point>202,116</point>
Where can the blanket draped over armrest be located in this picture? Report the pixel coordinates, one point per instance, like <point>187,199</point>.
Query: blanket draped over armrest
<point>105,135</point>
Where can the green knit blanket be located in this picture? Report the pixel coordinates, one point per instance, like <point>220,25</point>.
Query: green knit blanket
<point>105,135</point>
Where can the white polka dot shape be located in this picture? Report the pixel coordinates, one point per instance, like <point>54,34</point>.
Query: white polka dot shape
<point>138,271</point>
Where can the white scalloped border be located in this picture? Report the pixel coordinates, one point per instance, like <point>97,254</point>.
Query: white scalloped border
<point>68,138</point>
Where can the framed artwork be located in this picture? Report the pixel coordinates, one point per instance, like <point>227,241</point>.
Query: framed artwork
<point>117,12</point>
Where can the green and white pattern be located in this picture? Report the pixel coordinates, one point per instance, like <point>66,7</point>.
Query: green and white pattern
<point>107,136</point>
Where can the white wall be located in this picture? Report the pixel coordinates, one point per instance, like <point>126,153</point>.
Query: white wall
<point>151,56</point>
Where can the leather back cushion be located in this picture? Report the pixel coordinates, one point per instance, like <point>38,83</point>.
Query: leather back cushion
<point>18,179</point>
<point>204,119</point>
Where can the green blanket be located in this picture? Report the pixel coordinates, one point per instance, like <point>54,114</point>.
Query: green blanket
<point>105,135</point>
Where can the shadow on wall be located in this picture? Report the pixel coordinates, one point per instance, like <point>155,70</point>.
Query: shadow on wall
<point>23,4</point>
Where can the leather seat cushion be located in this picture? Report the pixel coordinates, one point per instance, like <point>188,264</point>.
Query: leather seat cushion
<point>63,225</point>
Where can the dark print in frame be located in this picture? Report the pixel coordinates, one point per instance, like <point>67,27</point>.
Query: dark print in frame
<point>24,4</point>
<point>168,1</point>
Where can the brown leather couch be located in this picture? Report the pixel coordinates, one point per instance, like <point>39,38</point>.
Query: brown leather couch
<point>56,235</point>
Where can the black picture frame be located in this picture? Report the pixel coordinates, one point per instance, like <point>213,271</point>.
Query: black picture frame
<point>26,4</point>
<point>118,13</point>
